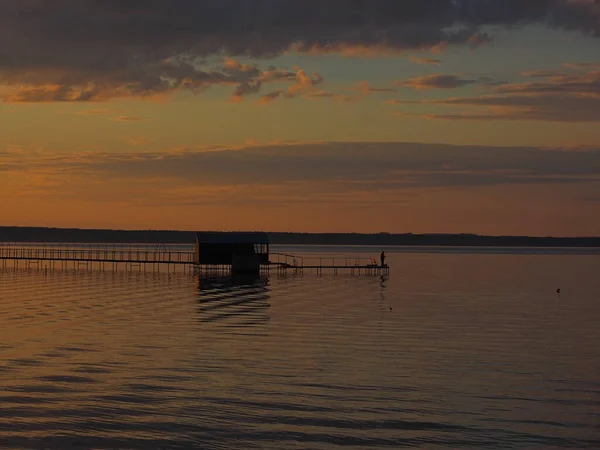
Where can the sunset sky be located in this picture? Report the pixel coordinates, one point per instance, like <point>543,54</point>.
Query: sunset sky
<point>475,116</point>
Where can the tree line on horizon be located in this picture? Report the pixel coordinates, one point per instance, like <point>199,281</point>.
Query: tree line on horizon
<point>75,235</point>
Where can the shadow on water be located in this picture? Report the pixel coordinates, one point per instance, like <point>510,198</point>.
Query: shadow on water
<point>238,301</point>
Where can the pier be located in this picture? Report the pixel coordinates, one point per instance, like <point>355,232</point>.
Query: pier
<point>357,266</point>
<point>75,256</point>
<point>172,258</point>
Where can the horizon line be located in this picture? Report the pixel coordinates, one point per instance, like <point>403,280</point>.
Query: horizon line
<point>379,233</point>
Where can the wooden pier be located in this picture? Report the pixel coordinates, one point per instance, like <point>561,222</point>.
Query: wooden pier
<point>142,258</point>
<point>158,258</point>
<point>357,266</point>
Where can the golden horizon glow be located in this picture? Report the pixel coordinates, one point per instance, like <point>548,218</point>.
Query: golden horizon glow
<point>483,130</point>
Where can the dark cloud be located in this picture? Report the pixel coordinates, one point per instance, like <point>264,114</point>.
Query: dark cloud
<point>247,88</point>
<point>553,108</point>
<point>363,166</point>
<point>547,113</point>
<point>437,82</point>
<point>97,49</point>
<point>365,88</point>
<point>585,65</point>
<point>163,78</point>
<point>418,60</point>
<point>271,96</point>
<point>555,97</point>
<point>322,94</point>
<point>583,84</point>
<point>315,95</point>
<point>543,73</point>
<point>519,114</point>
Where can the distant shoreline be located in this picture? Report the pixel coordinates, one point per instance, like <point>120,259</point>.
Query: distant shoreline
<point>41,235</point>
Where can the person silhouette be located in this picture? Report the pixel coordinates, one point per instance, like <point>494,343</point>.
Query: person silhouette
<point>382,259</point>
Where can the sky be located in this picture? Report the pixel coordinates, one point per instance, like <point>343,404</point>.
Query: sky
<point>422,116</point>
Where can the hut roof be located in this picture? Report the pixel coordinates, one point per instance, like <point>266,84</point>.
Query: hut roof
<point>211,237</point>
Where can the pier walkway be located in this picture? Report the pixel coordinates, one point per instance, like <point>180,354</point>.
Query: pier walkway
<point>353,265</point>
<point>172,258</point>
<point>77,255</point>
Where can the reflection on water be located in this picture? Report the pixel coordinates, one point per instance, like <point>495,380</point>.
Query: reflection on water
<point>234,301</point>
<point>450,350</point>
<point>382,288</point>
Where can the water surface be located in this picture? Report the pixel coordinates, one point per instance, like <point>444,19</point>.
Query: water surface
<point>454,349</point>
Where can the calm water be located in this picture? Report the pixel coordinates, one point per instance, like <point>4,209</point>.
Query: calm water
<point>455,349</point>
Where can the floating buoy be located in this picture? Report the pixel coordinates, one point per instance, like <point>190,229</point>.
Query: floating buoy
<point>558,291</point>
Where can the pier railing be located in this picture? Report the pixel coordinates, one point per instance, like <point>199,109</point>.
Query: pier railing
<point>338,262</point>
<point>97,253</point>
<point>142,255</point>
<point>283,259</point>
<point>314,262</point>
<point>335,264</point>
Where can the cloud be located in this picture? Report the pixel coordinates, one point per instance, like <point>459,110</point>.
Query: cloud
<point>43,93</point>
<point>584,66</point>
<point>271,96</point>
<point>578,83</point>
<point>127,119</point>
<point>304,86</point>
<point>330,95</point>
<point>366,88</point>
<point>547,107</point>
<point>138,141</point>
<point>95,112</point>
<point>350,94</point>
<point>542,73</point>
<point>478,39</point>
<point>321,94</point>
<point>84,50</point>
<point>246,88</point>
<point>304,82</point>
<point>357,93</point>
<point>321,185</point>
<point>436,82</point>
<point>153,82</point>
<point>347,165</point>
<point>267,27</point>
<point>553,97</point>
<point>417,60</point>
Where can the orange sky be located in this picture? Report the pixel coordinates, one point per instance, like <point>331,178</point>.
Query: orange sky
<point>478,128</point>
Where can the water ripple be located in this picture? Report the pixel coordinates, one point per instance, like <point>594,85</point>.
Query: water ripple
<point>452,350</point>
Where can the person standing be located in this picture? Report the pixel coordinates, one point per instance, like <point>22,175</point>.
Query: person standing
<point>382,259</point>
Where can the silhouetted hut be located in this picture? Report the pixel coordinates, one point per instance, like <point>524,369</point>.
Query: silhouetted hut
<point>244,252</point>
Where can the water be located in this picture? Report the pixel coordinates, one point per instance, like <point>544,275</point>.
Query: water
<point>455,349</point>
